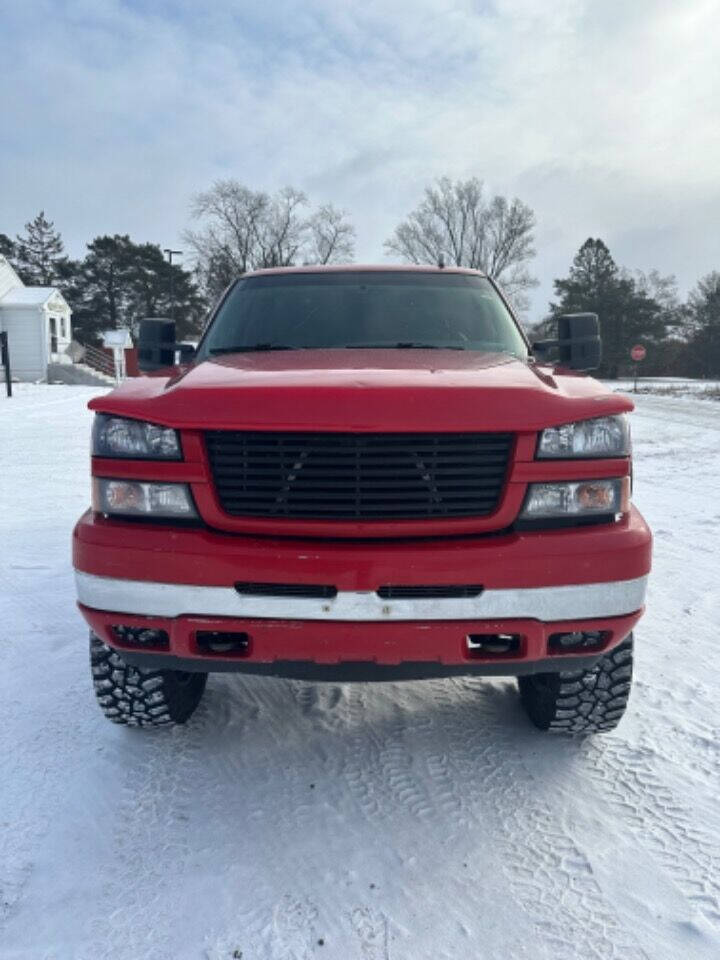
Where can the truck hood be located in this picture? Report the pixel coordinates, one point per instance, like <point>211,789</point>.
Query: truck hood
<point>364,390</point>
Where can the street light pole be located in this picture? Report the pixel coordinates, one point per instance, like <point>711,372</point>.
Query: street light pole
<point>170,253</point>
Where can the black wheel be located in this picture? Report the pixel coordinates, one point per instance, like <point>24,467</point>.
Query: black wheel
<point>142,698</point>
<point>581,701</point>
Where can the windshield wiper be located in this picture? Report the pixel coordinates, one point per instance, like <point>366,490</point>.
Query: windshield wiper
<point>253,348</point>
<point>403,345</point>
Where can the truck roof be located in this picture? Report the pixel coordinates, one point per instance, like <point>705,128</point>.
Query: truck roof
<point>364,268</point>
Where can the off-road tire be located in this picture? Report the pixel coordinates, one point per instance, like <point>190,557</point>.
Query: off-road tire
<point>142,698</point>
<point>580,702</point>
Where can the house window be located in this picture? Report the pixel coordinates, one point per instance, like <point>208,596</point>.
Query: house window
<point>53,335</point>
<point>63,334</point>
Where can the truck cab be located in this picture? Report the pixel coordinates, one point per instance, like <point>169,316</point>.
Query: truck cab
<point>363,473</point>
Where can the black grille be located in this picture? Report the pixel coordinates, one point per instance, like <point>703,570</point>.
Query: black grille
<point>358,476</point>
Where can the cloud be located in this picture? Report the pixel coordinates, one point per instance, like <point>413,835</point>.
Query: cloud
<point>600,116</point>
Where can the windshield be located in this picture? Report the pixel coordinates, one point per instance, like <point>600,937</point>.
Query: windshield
<point>383,309</point>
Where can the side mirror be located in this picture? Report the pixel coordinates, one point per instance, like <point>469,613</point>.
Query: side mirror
<point>579,346</point>
<point>157,348</point>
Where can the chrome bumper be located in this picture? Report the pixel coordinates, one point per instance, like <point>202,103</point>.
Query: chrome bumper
<point>572,602</point>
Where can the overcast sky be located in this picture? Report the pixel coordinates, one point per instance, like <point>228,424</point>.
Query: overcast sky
<point>602,115</point>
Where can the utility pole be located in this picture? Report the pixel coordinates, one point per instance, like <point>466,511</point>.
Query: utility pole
<point>170,253</point>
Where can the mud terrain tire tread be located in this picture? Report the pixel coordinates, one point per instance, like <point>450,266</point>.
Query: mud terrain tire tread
<point>581,702</point>
<point>142,698</point>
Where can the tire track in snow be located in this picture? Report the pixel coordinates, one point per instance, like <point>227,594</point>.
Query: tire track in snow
<point>689,855</point>
<point>686,739</point>
<point>372,929</point>
<point>358,749</point>
<point>547,869</point>
<point>29,814</point>
<point>340,710</point>
<point>294,934</point>
<point>399,772</point>
<point>14,876</point>
<point>433,761</point>
<point>320,699</point>
<point>390,772</point>
<point>287,931</point>
<point>19,836</point>
<point>439,771</point>
<point>264,706</point>
<point>270,924</point>
<point>151,848</point>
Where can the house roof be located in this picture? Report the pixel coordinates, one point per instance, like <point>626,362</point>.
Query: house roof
<point>29,296</point>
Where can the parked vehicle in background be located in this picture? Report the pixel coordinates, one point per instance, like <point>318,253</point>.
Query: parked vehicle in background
<point>363,473</point>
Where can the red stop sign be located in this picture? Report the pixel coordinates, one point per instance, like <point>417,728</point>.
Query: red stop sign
<point>638,352</point>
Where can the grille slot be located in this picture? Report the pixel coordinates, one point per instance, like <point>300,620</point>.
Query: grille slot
<point>322,591</point>
<point>432,593</point>
<point>358,476</point>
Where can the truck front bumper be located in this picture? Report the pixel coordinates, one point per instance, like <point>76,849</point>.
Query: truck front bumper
<point>181,583</point>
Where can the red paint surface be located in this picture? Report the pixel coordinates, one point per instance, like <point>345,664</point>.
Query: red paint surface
<point>364,391</point>
<point>135,551</point>
<point>331,643</point>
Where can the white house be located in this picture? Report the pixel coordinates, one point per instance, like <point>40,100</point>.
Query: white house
<point>37,322</point>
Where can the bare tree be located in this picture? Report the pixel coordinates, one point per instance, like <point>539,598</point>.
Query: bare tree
<point>456,225</point>
<point>243,229</point>
<point>333,237</point>
<point>664,291</point>
<point>282,232</point>
<point>227,244</point>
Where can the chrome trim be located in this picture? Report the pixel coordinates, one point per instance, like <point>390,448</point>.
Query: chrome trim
<point>572,602</point>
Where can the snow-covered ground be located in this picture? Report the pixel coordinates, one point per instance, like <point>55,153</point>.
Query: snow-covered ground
<point>404,822</point>
<point>670,387</point>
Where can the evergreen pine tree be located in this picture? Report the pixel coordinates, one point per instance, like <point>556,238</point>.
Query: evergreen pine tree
<point>120,282</point>
<point>704,316</point>
<point>97,289</point>
<point>39,253</point>
<point>627,314</point>
<point>7,247</point>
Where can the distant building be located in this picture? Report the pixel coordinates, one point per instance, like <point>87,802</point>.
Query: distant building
<point>37,322</point>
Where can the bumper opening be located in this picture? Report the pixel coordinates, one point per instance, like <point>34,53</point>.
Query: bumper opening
<point>141,637</point>
<point>481,645</point>
<point>226,643</point>
<point>578,640</point>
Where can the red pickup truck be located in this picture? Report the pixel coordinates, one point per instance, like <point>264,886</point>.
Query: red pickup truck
<point>363,473</point>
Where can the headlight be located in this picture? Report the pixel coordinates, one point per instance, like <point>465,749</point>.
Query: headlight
<point>601,437</point>
<point>133,498</point>
<point>133,439</point>
<point>577,499</point>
